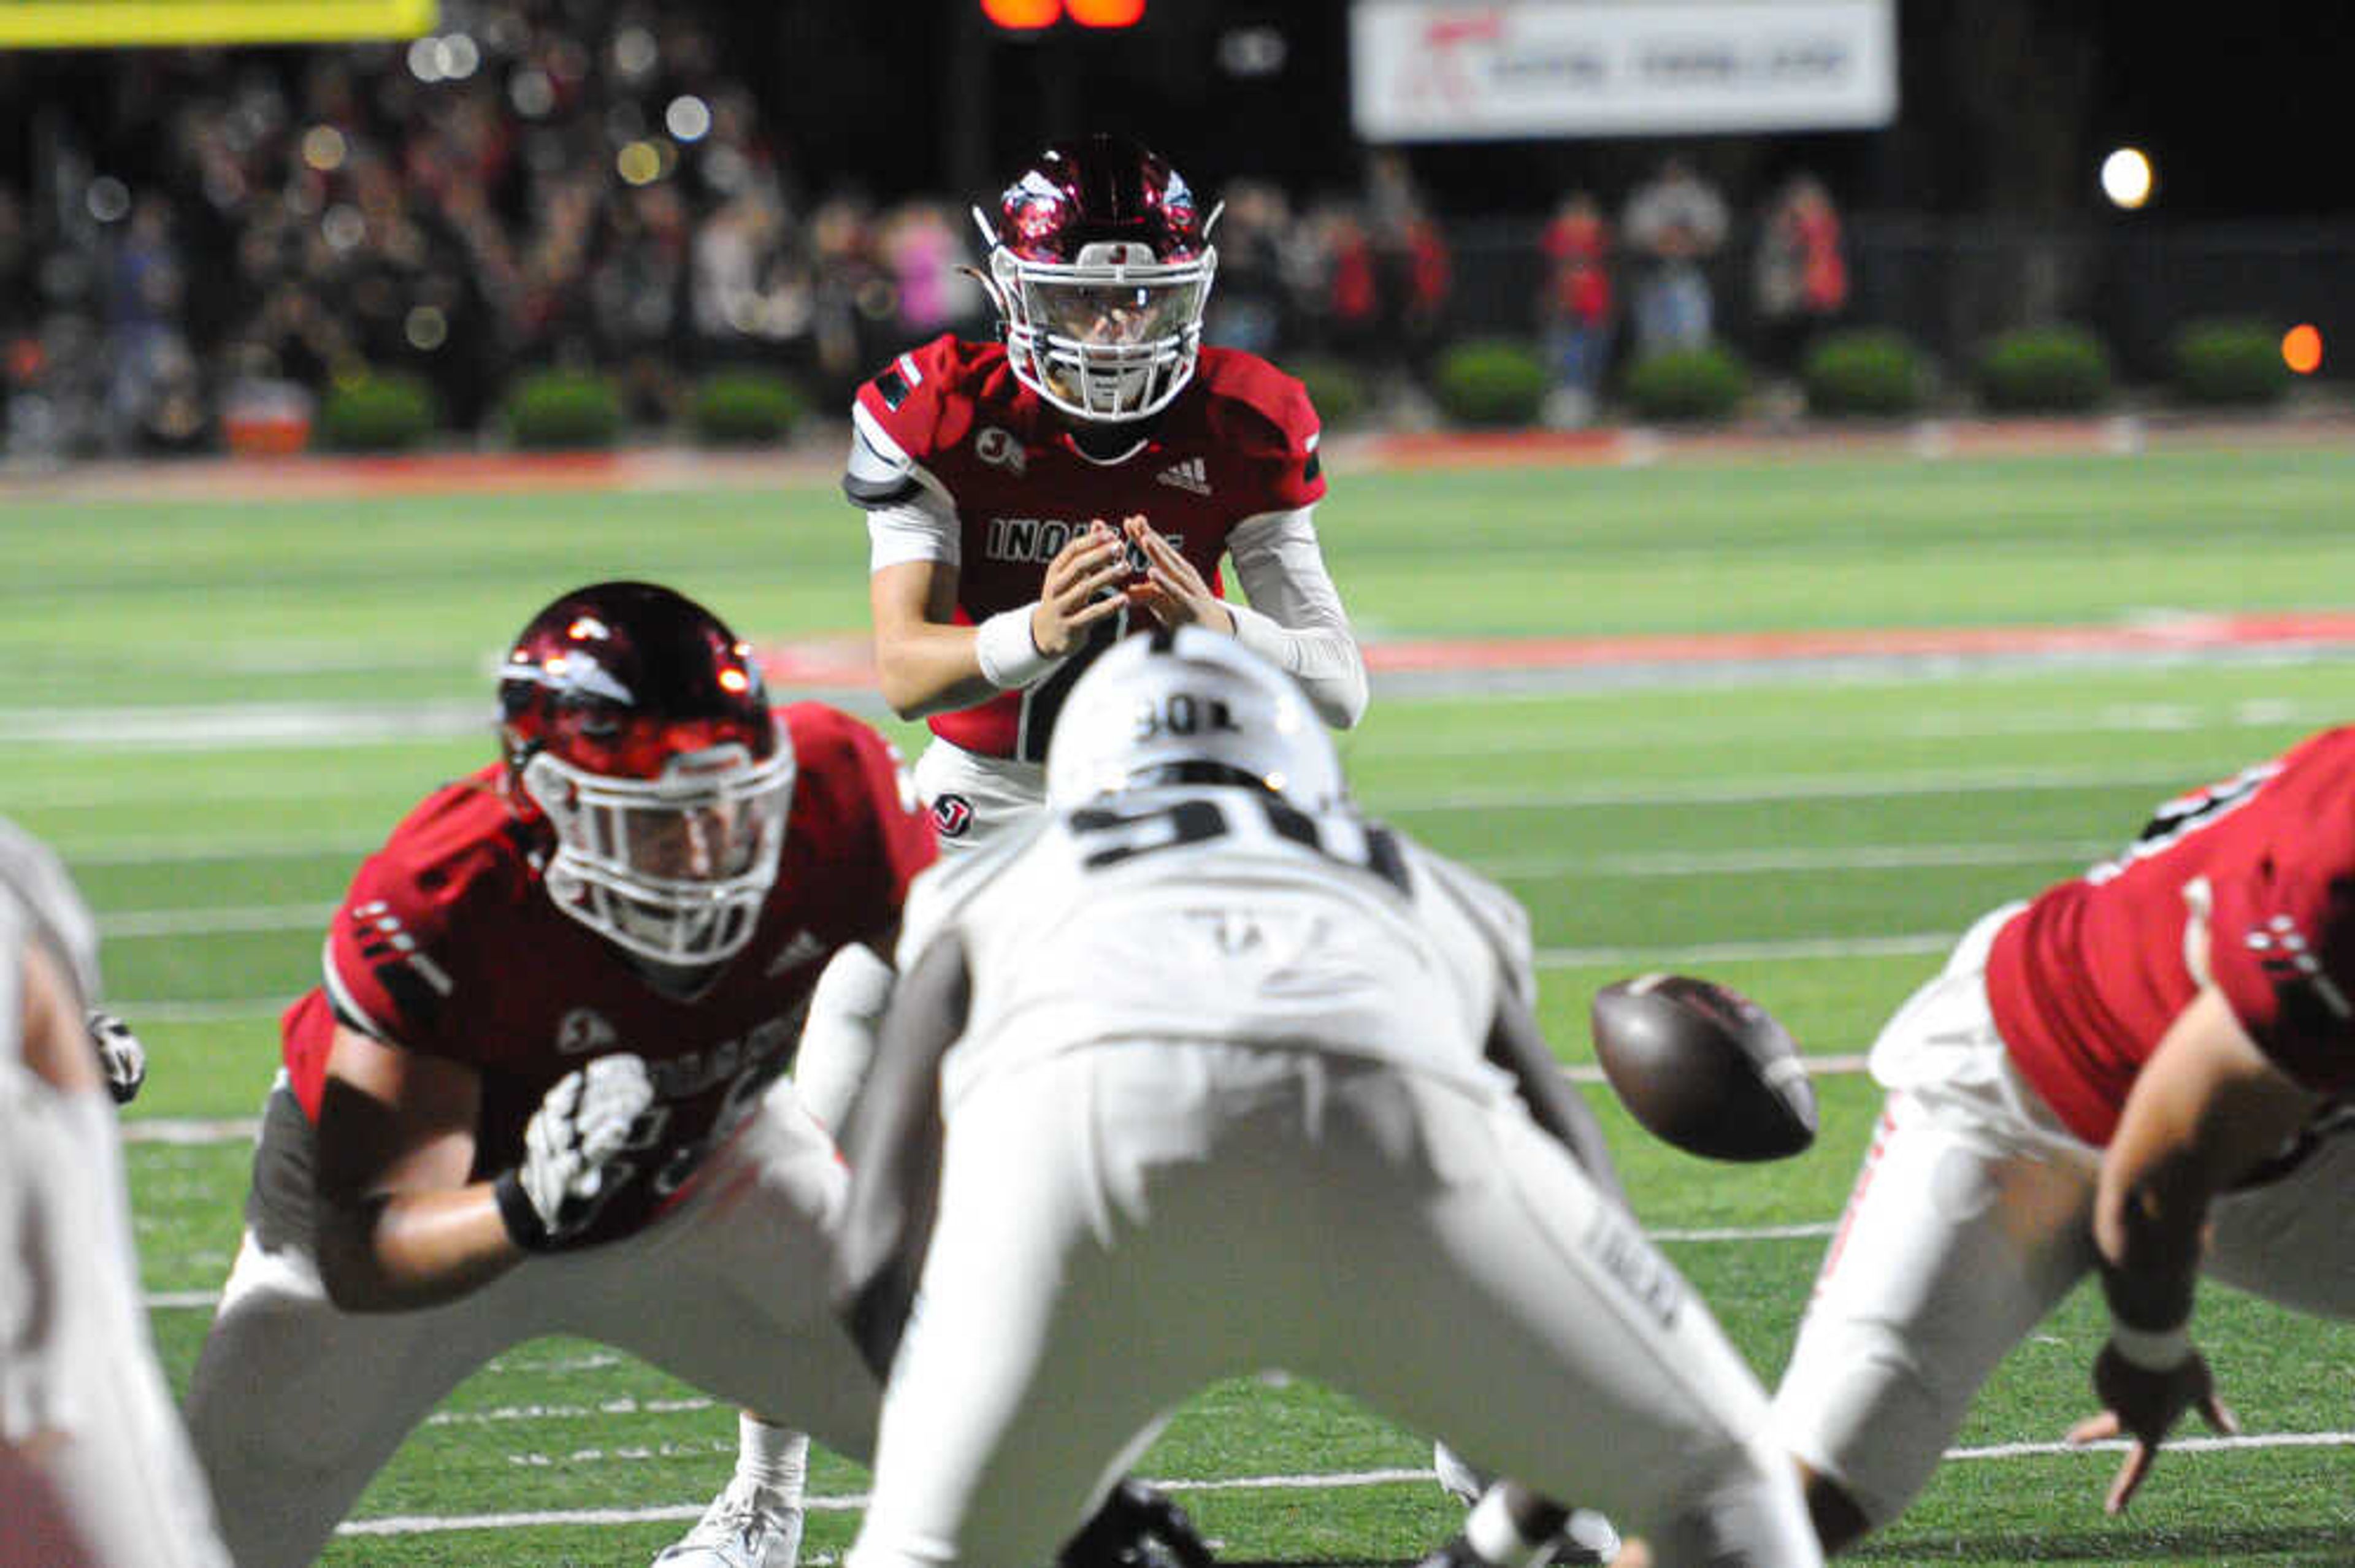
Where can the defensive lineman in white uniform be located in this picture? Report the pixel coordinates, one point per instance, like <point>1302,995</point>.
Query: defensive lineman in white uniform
<point>94,1468</point>
<point>1205,1073</point>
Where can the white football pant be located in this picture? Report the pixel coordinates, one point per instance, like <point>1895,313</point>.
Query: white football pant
<point>846,1011</point>
<point>1970,1220</point>
<point>296,1404</point>
<point>1124,1223</point>
<point>84,1409</point>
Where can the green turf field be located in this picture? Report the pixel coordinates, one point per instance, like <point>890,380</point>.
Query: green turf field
<point>214,709</point>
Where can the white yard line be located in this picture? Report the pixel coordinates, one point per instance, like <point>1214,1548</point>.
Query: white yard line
<point>2115,718</point>
<point>1767,789</point>
<point>208,920</point>
<point>426,1524</point>
<point>1675,955</point>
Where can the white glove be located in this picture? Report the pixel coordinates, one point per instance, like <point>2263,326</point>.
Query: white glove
<point>119,1055</point>
<point>573,1149</point>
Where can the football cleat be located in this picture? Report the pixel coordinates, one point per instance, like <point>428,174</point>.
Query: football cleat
<point>1585,1536</point>
<point>1136,1527</point>
<point>746,1526</point>
<point>1586,1539</point>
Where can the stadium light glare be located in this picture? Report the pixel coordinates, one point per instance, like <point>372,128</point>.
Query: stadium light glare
<point>324,148</point>
<point>108,199</point>
<point>636,53</point>
<point>461,57</point>
<point>342,226</point>
<point>2302,348</point>
<point>531,93</point>
<point>2126,178</point>
<point>425,59</point>
<point>426,328</point>
<point>688,118</point>
<point>639,163</point>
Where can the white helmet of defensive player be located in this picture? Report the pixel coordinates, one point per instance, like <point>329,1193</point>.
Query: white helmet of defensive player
<point>1189,705</point>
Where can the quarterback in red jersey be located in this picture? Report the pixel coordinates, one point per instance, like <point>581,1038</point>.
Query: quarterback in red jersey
<point>2161,1047</point>
<point>1031,500</point>
<point>534,1094</point>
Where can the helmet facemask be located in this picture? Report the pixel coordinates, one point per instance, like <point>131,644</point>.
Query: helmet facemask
<point>1112,335</point>
<point>673,868</point>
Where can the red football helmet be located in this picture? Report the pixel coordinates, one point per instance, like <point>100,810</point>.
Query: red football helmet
<point>1100,264</point>
<point>637,726</point>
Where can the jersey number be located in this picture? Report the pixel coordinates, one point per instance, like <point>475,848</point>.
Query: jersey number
<point>1112,836</point>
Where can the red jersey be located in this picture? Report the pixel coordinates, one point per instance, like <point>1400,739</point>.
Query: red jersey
<point>447,943</point>
<point>2253,879</point>
<point>950,417</point>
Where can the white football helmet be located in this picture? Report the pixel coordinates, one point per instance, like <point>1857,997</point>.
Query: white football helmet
<point>1189,706</point>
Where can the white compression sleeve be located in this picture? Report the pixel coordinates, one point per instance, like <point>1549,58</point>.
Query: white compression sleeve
<point>1294,617</point>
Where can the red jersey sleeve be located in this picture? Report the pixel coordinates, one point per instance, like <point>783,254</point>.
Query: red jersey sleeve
<point>2281,947</point>
<point>861,801</point>
<point>902,418</point>
<point>1264,419</point>
<point>394,964</point>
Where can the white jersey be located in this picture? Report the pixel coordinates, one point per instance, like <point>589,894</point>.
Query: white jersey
<point>38,900</point>
<point>1326,933</point>
<point>80,1387</point>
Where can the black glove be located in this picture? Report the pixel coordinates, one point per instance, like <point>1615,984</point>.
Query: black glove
<point>119,1055</point>
<point>1137,1528</point>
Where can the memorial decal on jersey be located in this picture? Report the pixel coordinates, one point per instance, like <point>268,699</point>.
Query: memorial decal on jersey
<point>952,815</point>
<point>999,449</point>
<point>585,1031</point>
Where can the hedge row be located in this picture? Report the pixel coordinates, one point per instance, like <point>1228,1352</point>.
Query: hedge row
<point>556,410</point>
<point>1488,382</point>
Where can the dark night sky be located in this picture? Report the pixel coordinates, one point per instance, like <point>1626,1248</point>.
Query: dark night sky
<point>2007,105</point>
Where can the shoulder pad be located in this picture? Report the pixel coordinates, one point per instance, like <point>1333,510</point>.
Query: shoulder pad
<point>32,871</point>
<point>1264,417</point>
<point>938,896</point>
<point>830,747</point>
<point>1496,913</point>
<point>437,889</point>
<point>901,418</point>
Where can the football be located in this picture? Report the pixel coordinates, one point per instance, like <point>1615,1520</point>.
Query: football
<point>1704,1068</point>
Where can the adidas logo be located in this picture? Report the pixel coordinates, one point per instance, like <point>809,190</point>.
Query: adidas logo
<point>804,947</point>
<point>1188,473</point>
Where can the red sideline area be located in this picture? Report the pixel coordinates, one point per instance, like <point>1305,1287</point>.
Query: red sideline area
<point>848,661</point>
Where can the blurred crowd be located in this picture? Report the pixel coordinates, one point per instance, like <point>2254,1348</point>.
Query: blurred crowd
<point>528,188</point>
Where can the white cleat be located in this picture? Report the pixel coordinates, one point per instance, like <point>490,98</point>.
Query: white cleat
<point>1586,1537</point>
<point>745,1527</point>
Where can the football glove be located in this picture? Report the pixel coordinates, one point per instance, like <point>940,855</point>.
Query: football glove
<point>1137,1527</point>
<point>119,1055</point>
<point>573,1149</point>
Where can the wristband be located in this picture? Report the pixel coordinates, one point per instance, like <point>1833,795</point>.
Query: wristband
<point>1009,656</point>
<point>525,1227</point>
<point>2152,1349</point>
